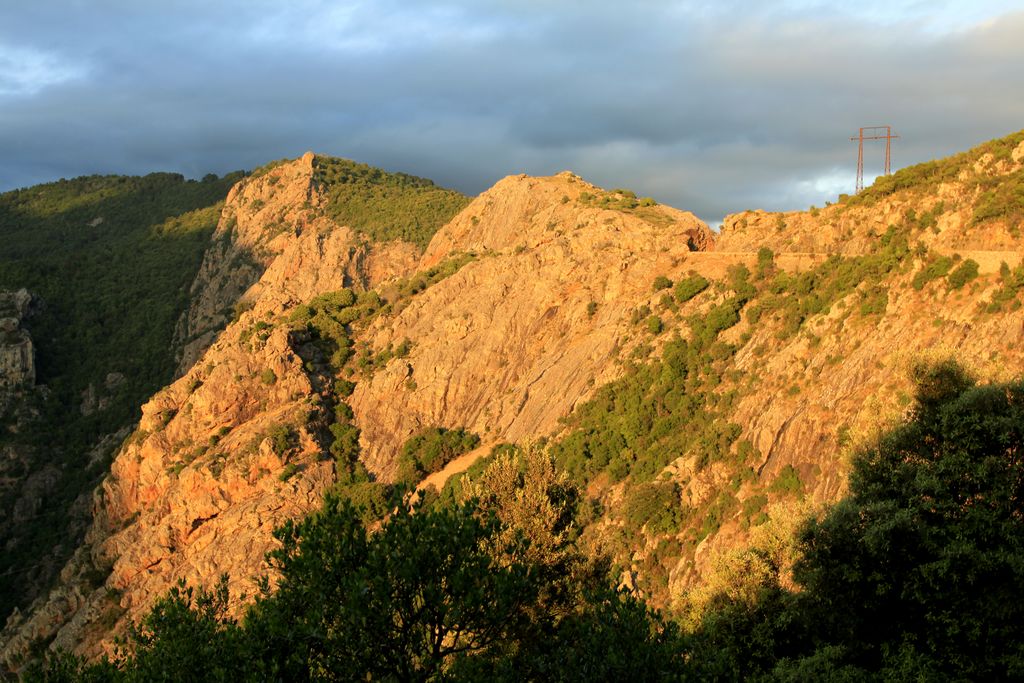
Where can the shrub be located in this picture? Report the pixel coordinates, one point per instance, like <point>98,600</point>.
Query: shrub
<point>765,263</point>
<point>718,319</point>
<point>874,300</point>
<point>715,514</point>
<point>372,499</point>
<point>1011,283</point>
<point>654,505</point>
<point>268,376</point>
<point>929,220</point>
<point>430,450</point>
<point>661,282</point>
<point>345,446</point>
<point>639,315</point>
<point>787,482</point>
<point>327,317</point>
<point>283,438</point>
<point>964,273</point>
<point>690,287</point>
<point>753,506</point>
<point>932,270</point>
<point>1004,200</point>
<point>739,281</point>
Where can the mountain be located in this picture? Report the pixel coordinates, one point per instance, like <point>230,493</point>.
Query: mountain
<point>348,329</point>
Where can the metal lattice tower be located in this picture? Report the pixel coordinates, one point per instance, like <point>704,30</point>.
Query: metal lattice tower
<point>873,133</point>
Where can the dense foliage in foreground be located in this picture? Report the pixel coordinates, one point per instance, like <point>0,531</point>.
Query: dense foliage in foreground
<point>916,575</point>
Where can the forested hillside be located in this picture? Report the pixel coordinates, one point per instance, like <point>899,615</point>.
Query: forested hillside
<point>110,260</point>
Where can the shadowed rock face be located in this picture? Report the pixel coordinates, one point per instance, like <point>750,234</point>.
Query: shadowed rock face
<point>506,347</point>
<point>18,410</point>
<point>17,355</point>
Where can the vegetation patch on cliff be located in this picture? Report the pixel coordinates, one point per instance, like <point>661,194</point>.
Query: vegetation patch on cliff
<point>430,450</point>
<point>675,407</point>
<point>385,206</point>
<point>323,333</point>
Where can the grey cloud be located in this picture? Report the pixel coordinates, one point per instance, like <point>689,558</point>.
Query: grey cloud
<point>713,107</point>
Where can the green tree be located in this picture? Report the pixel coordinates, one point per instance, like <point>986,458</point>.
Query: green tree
<point>661,282</point>
<point>613,637</point>
<point>188,632</point>
<point>398,604</point>
<point>186,636</point>
<point>930,545</point>
<point>444,593</point>
<point>917,573</point>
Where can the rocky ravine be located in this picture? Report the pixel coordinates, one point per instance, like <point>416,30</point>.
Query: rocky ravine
<point>504,347</point>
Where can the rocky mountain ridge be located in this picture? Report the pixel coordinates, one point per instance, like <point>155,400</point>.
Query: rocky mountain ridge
<point>554,294</point>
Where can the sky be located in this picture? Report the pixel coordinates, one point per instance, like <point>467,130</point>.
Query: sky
<point>711,106</point>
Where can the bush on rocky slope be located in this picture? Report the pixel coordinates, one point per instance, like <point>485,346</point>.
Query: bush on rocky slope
<point>430,450</point>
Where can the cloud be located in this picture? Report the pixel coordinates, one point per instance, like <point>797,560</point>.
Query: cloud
<point>709,106</point>
<point>27,71</point>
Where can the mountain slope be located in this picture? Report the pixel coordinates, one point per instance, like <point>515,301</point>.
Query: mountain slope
<point>108,261</point>
<point>699,385</point>
<point>506,346</point>
<point>203,464</point>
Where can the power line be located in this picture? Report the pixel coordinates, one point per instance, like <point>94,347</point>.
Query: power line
<point>873,133</point>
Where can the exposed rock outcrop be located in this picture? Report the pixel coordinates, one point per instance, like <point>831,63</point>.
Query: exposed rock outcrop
<point>17,355</point>
<point>275,248</point>
<point>509,344</point>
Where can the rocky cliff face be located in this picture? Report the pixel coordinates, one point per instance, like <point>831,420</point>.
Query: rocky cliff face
<point>274,248</point>
<point>17,410</point>
<point>17,355</point>
<point>544,313</point>
<point>509,344</point>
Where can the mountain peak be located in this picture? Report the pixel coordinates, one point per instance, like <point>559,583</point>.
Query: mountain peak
<point>526,211</point>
